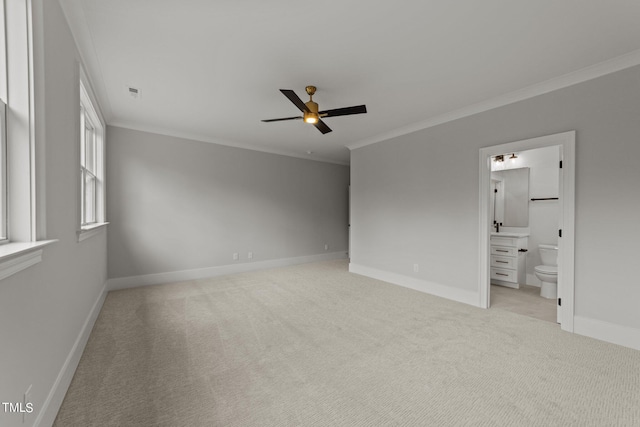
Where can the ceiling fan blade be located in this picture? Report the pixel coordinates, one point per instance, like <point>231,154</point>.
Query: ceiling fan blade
<point>295,99</point>
<point>285,118</point>
<point>358,109</point>
<point>322,127</point>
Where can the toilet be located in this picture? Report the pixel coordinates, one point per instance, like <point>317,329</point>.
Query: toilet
<point>548,271</point>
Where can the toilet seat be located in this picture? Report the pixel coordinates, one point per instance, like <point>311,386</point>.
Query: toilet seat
<point>546,269</point>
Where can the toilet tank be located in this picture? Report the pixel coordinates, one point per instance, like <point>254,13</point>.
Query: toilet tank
<point>548,254</point>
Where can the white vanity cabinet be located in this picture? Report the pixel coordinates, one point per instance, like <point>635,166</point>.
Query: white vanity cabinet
<point>508,259</point>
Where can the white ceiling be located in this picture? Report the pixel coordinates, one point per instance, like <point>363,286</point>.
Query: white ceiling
<point>211,70</point>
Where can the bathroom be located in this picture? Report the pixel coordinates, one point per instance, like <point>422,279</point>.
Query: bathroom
<point>525,213</point>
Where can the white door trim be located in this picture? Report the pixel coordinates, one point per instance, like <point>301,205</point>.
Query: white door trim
<point>566,243</point>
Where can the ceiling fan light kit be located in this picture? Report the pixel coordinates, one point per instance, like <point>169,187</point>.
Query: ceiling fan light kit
<point>311,116</point>
<point>310,113</point>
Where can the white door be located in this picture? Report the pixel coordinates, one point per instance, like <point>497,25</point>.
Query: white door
<point>349,219</point>
<point>561,263</point>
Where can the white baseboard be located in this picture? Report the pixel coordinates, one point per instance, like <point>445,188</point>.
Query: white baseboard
<point>605,331</point>
<point>448,292</point>
<point>202,273</point>
<point>47,414</point>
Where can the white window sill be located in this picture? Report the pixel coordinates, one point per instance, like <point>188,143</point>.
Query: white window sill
<point>16,256</point>
<point>90,230</point>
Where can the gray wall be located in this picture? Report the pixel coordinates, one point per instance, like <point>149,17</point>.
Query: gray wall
<point>415,197</point>
<point>43,308</point>
<point>177,204</point>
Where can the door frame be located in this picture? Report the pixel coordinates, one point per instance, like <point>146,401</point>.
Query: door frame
<point>566,243</point>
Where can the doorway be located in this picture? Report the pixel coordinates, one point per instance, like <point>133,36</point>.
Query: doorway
<point>566,203</point>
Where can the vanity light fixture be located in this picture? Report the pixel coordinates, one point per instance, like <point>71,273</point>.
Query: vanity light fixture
<point>513,156</point>
<point>499,158</point>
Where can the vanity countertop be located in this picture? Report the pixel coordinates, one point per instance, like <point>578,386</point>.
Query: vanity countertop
<point>509,234</point>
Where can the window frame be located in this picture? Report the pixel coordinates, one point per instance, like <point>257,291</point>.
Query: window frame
<point>23,137</point>
<point>88,138</point>
<point>4,226</point>
<point>90,119</point>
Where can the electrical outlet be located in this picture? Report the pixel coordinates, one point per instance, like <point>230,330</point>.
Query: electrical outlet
<point>236,256</point>
<point>326,247</point>
<point>416,268</point>
<point>250,255</point>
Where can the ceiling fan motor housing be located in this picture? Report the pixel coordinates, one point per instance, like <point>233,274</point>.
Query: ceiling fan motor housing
<point>312,106</point>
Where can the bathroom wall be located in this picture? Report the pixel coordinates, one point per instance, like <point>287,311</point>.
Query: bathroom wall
<point>543,215</point>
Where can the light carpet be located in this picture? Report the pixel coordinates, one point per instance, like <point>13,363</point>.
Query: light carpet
<point>314,345</point>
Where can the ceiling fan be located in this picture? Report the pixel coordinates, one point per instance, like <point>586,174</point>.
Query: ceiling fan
<point>310,113</point>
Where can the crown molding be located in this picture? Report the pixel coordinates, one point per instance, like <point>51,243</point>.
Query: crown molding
<point>73,11</point>
<point>588,73</point>
<point>217,141</point>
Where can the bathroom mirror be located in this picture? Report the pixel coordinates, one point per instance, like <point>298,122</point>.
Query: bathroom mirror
<point>510,190</point>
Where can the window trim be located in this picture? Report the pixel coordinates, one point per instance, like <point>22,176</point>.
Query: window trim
<point>90,231</point>
<point>25,224</point>
<point>16,256</point>
<point>4,229</point>
<point>3,58</point>
<point>90,112</point>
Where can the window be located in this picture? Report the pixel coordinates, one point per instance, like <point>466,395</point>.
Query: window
<point>3,128</point>
<point>22,225</point>
<point>88,177</point>
<point>91,163</point>
<point>3,172</point>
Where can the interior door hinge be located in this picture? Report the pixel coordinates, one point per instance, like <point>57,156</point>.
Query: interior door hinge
<point>560,302</point>
<point>560,233</point>
<point>560,164</point>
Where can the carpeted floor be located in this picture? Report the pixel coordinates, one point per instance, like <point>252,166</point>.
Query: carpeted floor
<point>313,345</point>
